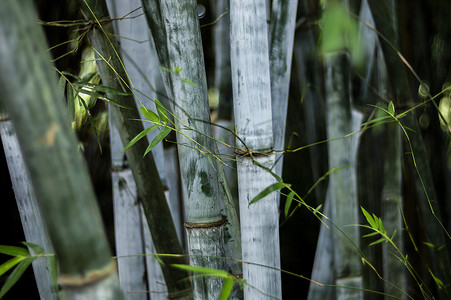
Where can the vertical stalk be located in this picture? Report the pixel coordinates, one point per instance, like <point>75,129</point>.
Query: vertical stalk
<point>175,29</point>
<point>342,182</point>
<point>283,21</point>
<point>32,223</point>
<point>56,167</point>
<point>148,182</point>
<point>253,121</point>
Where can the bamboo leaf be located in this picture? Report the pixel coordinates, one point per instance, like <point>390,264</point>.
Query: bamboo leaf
<point>204,270</point>
<point>188,82</point>
<point>36,248</point>
<point>14,251</point>
<point>371,234</point>
<point>317,209</point>
<point>391,108</point>
<point>227,288</point>
<point>149,115</point>
<point>378,241</point>
<point>160,136</point>
<point>268,190</point>
<point>71,101</point>
<point>162,112</point>
<point>62,84</point>
<point>369,218</point>
<point>429,244</point>
<point>140,136</point>
<point>6,266</point>
<point>288,202</point>
<point>15,275</point>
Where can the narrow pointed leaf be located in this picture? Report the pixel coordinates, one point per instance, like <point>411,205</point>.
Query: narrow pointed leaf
<point>6,266</point>
<point>429,244</point>
<point>268,190</point>
<point>15,275</point>
<point>140,136</point>
<point>378,241</point>
<point>160,136</point>
<point>36,248</point>
<point>391,108</point>
<point>204,270</point>
<point>14,251</point>
<point>288,203</point>
<point>371,234</point>
<point>227,288</point>
<point>317,209</point>
<point>162,112</point>
<point>369,218</point>
<point>149,115</point>
<point>100,96</point>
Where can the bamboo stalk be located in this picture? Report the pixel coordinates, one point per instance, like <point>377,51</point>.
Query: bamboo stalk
<point>384,15</point>
<point>56,167</point>
<point>148,182</point>
<point>253,119</point>
<point>175,28</point>
<point>342,182</point>
<point>30,216</point>
<point>283,21</point>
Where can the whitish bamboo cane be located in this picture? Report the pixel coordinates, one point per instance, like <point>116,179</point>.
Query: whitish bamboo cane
<point>148,182</point>
<point>56,167</point>
<point>283,21</point>
<point>32,223</point>
<point>385,19</point>
<point>342,182</point>
<point>253,119</point>
<point>324,264</point>
<point>175,29</point>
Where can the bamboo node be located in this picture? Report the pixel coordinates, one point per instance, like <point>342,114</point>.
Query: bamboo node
<point>4,118</point>
<point>206,225</point>
<point>89,278</point>
<point>249,152</point>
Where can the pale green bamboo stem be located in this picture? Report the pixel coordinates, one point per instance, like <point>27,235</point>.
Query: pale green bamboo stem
<point>253,120</point>
<point>148,183</point>
<point>56,167</point>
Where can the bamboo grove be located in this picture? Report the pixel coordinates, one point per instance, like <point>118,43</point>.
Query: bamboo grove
<point>226,149</point>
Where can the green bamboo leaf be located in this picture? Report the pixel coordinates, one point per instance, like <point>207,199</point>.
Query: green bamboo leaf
<point>15,275</point>
<point>62,84</point>
<point>317,209</point>
<point>140,136</point>
<point>371,234</point>
<point>71,101</point>
<point>288,203</point>
<point>36,248</point>
<point>149,115</point>
<point>185,80</point>
<point>162,112</point>
<point>160,136</point>
<point>53,265</point>
<point>378,241</point>
<point>204,270</point>
<point>391,108</point>
<point>268,190</point>
<point>369,218</point>
<point>14,251</point>
<point>6,266</point>
<point>429,244</point>
<point>227,288</point>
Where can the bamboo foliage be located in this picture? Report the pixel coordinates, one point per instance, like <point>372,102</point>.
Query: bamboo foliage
<point>175,30</point>
<point>148,182</point>
<point>252,111</point>
<point>49,147</point>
